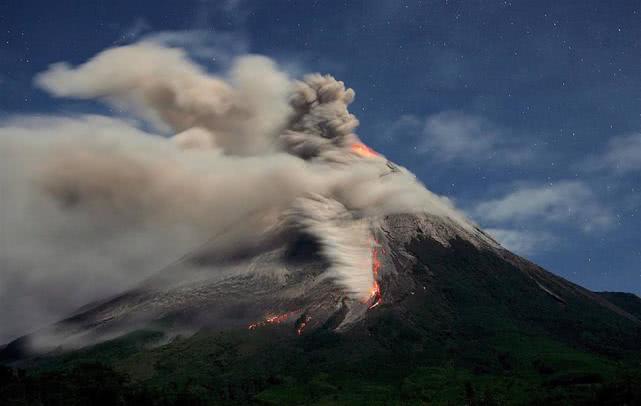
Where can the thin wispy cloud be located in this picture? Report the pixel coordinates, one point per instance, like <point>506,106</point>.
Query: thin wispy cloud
<point>565,202</point>
<point>202,44</point>
<point>199,38</point>
<point>453,135</point>
<point>622,155</point>
<point>523,242</point>
<point>458,137</point>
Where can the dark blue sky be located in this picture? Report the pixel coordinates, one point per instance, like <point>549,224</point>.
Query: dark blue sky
<point>526,114</point>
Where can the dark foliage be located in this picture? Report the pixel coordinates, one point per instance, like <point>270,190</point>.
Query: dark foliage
<point>462,326</point>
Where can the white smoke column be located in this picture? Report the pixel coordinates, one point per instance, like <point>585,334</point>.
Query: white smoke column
<point>344,241</point>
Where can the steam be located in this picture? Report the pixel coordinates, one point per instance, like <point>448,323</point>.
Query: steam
<point>344,240</point>
<point>100,202</point>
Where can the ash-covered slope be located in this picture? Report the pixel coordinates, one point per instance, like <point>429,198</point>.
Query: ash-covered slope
<point>434,275</point>
<point>481,290</point>
<point>629,302</point>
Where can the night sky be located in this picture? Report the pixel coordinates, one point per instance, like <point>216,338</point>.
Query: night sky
<point>526,114</point>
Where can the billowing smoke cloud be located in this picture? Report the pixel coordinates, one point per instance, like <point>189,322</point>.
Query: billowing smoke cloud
<point>242,115</point>
<point>97,201</point>
<point>53,259</point>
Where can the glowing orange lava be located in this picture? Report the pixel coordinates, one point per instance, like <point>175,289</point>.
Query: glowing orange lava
<point>277,319</point>
<point>363,150</point>
<point>375,293</point>
<point>375,296</point>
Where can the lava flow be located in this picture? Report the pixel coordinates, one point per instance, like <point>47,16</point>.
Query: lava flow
<point>277,319</point>
<point>363,150</point>
<point>375,296</point>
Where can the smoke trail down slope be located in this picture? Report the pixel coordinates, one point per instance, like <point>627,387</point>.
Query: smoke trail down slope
<point>248,140</point>
<point>345,241</point>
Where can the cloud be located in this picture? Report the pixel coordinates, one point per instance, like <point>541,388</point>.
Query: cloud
<point>622,155</point>
<point>453,136</point>
<point>201,42</point>
<point>92,205</point>
<point>219,47</point>
<point>55,259</point>
<point>563,202</point>
<point>521,241</point>
<point>163,85</point>
<point>406,127</point>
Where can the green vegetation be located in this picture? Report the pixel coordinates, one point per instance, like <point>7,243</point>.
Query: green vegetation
<point>476,330</point>
<point>629,302</point>
<point>271,367</point>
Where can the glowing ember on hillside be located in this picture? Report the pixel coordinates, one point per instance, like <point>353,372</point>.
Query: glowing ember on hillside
<point>363,150</point>
<point>277,319</point>
<point>375,296</point>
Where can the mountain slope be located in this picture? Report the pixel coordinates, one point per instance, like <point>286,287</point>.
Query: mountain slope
<point>629,302</point>
<point>460,319</point>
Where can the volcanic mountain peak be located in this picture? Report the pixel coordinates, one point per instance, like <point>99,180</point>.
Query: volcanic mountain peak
<point>321,235</point>
<point>414,255</point>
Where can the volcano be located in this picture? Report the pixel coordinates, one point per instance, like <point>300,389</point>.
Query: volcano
<point>356,286</point>
<point>454,307</point>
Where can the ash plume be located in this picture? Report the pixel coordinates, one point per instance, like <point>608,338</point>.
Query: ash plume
<point>243,115</point>
<point>345,241</point>
<point>99,201</point>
